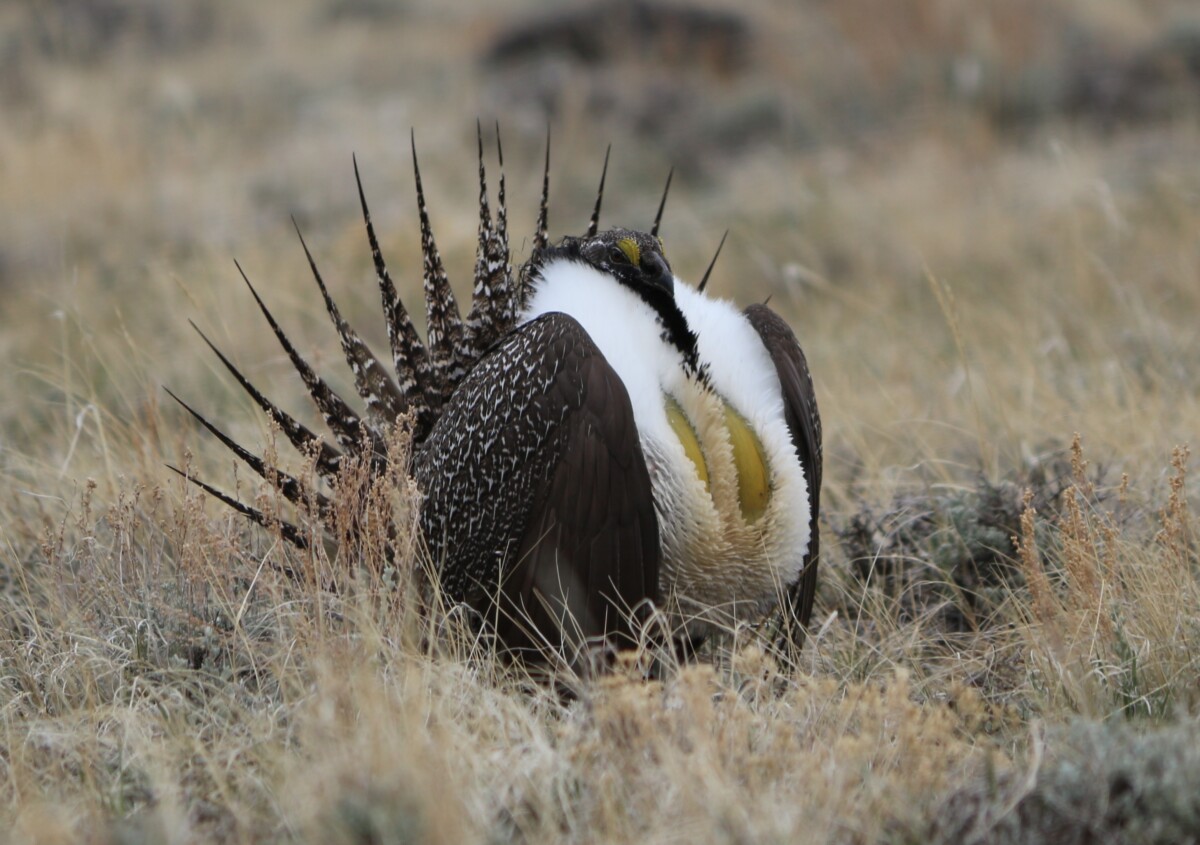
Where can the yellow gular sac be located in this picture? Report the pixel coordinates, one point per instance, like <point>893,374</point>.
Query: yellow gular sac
<point>687,436</point>
<point>754,482</point>
<point>632,251</point>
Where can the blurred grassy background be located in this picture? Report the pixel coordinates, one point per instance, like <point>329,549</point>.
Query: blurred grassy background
<point>1035,158</point>
<point>983,220</point>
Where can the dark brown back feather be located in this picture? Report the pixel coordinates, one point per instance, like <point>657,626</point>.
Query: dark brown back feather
<point>562,541</point>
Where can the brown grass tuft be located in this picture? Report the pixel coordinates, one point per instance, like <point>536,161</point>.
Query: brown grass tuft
<point>982,248</point>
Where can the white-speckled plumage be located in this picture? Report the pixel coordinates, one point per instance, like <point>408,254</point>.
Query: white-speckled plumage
<point>559,494</point>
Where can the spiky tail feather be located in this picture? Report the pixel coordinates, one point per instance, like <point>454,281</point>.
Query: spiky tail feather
<point>384,400</point>
<point>287,530</point>
<point>493,305</point>
<point>444,327</point>
<point>345,424</point>
<point>409,356</point>
<point>594,222</point>
<point>704,281</point>
<point>328,459</point>
<point>541,240</point>
<point>662,204</point>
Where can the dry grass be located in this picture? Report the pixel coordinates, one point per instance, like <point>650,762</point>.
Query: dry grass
<point>971,289</point>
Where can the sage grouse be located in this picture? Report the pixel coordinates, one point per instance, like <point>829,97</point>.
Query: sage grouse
<point>595,439</point>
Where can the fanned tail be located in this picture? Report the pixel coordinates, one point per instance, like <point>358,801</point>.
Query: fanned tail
<point>426,373</point>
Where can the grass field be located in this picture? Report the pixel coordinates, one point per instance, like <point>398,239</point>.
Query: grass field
<point>983,221</point>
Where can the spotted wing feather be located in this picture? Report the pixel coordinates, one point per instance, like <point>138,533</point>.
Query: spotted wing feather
<point>538,502</point>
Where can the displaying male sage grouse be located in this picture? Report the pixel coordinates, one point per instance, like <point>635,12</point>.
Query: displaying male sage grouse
<point>596,438</point>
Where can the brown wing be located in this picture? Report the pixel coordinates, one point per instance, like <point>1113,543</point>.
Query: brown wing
<point>538,501</point>
<point>804,423</point>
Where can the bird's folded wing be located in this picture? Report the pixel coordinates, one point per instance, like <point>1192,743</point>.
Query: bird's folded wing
<point>804,423</point>
<point>538,508</point>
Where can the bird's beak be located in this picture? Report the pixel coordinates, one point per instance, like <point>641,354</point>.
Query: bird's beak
<point>657,273</point>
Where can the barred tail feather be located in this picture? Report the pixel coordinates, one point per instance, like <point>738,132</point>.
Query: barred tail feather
<point>479,324</point>
<point>541,239</point>
<point>371,378</point>
<point>328,459</point>
<point>409,355</point>
<point>494,309</point>
<point>292,488</point>
<point>345,424</point>
<point>501,258</point>
<point>444,328</point>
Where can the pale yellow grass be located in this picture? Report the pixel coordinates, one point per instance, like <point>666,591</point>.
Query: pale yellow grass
<point>968,302</point>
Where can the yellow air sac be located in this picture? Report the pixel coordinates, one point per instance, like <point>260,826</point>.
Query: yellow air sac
<point>754,482</point>
<point>687,436</point>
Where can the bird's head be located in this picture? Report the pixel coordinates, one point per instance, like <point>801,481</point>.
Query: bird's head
<point>636,260</point>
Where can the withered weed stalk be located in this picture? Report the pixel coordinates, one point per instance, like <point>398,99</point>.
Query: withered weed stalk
<point>981,249</point>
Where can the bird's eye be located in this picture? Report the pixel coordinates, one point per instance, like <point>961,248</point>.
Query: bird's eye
<point>617,255</point>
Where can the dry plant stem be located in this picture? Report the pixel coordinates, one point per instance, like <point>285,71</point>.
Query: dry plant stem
<point>163,680</point>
